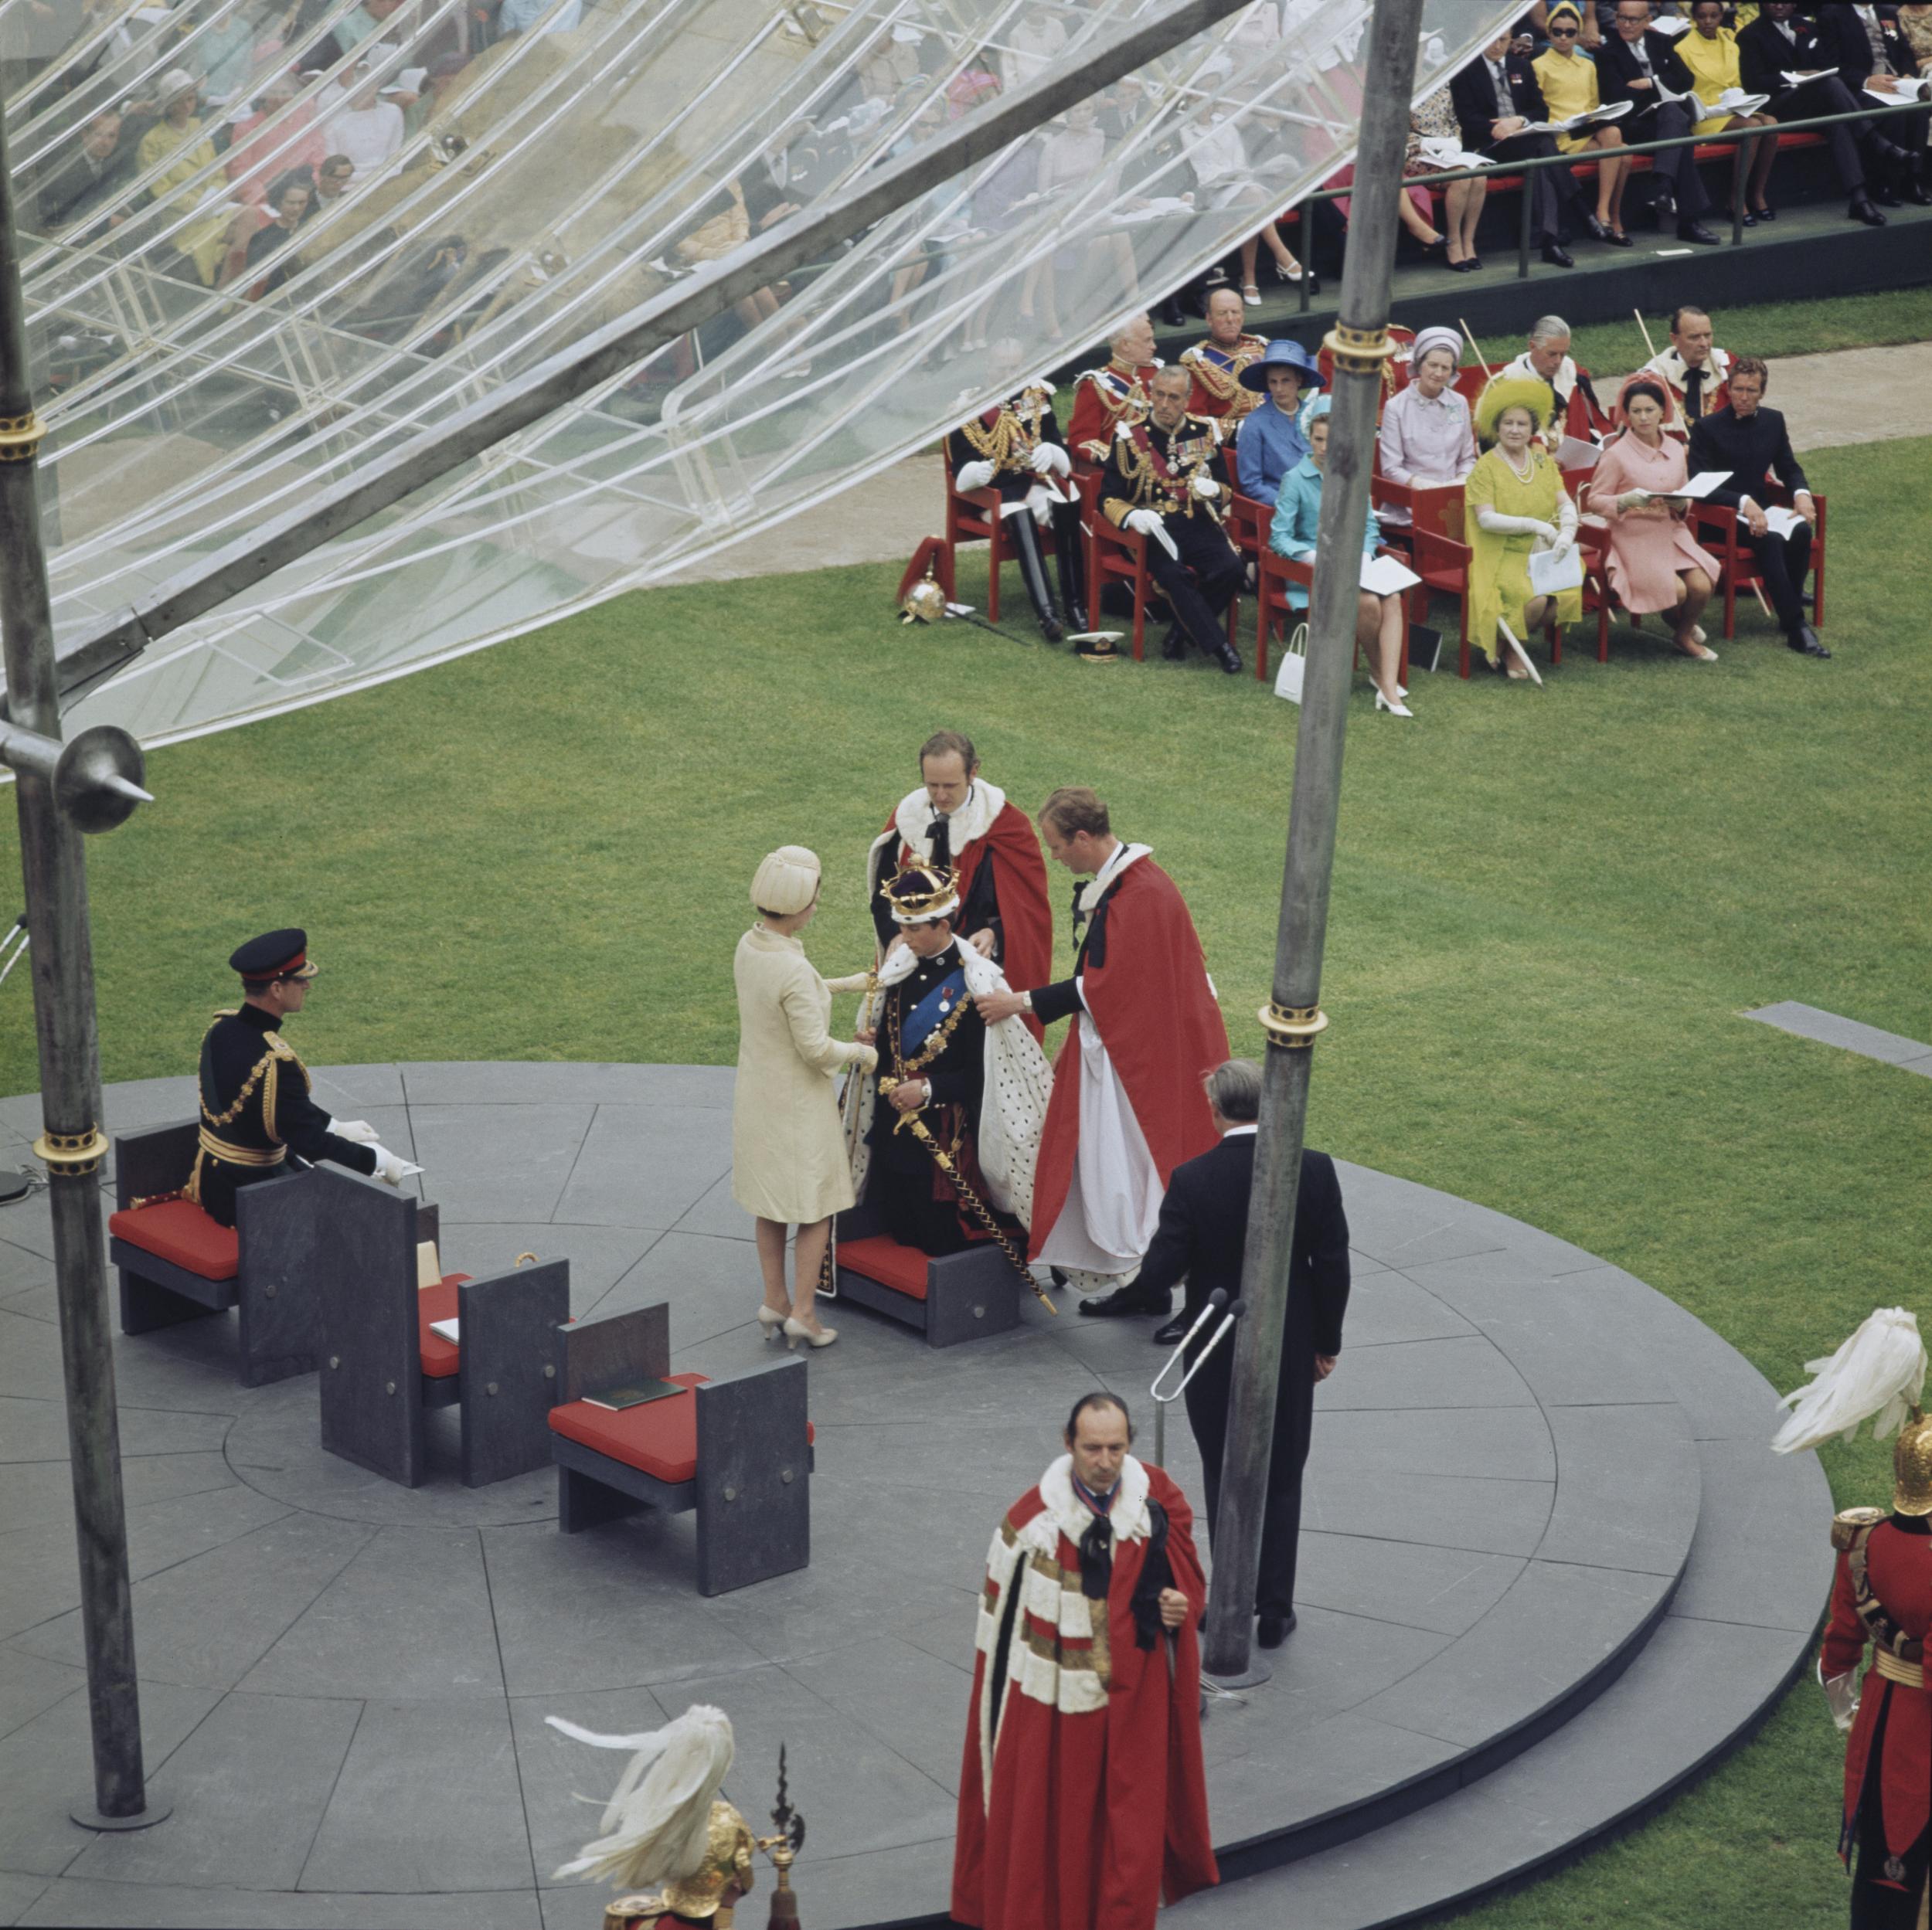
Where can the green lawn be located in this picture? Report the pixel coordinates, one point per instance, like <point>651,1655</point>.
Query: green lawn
<point>1550,907</point>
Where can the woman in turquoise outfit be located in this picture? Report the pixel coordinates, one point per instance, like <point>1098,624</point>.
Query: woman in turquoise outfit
<point>1379,620</point>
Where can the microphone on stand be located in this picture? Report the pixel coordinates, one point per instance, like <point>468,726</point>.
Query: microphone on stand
<point>1217,1302</point>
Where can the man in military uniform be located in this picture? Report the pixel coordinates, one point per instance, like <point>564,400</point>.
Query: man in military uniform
<point>1881,1599</point>
<point>1104,398</point>
<point>255,1103</point>
<point>1168,477</point>
<point>1216,365</point>
<point>932,1041</point>
<point>1015,447</point>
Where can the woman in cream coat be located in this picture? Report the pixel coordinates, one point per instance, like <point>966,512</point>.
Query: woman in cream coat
<point>788,1161</point>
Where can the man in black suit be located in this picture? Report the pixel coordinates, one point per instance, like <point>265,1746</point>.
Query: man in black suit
<point>1493,97</point>
<point>1751,443</point>
<point>1863,42</point>
<point>1630,65</point>
<point>1203,1230</point>
<point>1780,42</point>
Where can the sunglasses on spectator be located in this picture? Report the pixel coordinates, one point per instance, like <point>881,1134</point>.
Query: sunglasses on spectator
<point>1563,33</point>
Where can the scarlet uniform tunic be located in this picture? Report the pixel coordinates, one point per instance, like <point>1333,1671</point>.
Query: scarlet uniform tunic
<point>1888,1763</point>
<point>1104,397</point>
<point>1082,1801</point>
<point>1216,370</point>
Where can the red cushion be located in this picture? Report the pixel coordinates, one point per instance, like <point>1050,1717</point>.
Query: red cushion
<point>179,1230</point>
<point>440,1357</point>
<point>882,1259</point>
<point>660,1438</point>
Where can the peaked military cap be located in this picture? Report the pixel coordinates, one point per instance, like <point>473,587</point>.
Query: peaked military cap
<point>282,954</point>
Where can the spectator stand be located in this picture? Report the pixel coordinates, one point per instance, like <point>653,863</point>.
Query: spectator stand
<point>736,1451</point>
<point>381,1368</point>
<point>177,1264</point>
<point>957,1296</point>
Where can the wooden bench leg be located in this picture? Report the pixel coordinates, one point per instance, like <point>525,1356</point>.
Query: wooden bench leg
<point>144,1306</point>
<point>753,1486</point>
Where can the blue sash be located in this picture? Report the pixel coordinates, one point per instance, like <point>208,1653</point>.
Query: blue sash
<point>932,1011</point>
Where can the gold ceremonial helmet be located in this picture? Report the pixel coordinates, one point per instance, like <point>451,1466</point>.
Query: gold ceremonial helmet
<point>925,602</point>
<point>727,1860</point>
<point>1911,1467</point>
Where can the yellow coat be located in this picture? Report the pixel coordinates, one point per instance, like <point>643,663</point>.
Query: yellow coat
<point>1714,66</point>
<point>788,1158</point>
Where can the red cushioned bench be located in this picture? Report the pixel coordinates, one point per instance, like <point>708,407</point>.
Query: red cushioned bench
<point>960,1297</point>
<point>175,1264</point>
<point>381,1368</point>
<point>736,1451</point>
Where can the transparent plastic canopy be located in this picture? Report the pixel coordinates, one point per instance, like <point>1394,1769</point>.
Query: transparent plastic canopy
<point>207,355</point>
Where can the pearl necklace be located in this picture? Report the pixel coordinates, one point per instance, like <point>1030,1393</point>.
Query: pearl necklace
<point>1527,470</point>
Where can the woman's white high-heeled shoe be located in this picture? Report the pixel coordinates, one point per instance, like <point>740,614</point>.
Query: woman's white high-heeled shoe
<point>796,1330</point>
<point>1398,708</point>
<point>1521,656</point>
<point>771,1318</point>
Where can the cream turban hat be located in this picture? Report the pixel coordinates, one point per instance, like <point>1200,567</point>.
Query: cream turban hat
<point>787,880</point>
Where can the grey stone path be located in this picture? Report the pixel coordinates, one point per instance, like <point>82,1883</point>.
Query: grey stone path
<point>1809,1021</point>
<point>345,1681</point>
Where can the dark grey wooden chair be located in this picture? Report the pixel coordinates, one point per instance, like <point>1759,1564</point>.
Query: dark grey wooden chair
<point>175,1264</point>
<point>960,1297</point>
<point>737,1450</point>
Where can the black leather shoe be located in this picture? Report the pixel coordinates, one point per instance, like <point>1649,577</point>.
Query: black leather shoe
<point>1767,212</point>
<point>1173,1334</point>
<point>1597,229</point>
<point>1695,231</point>
<point>1229,658</point>
<point>1124,1300</point>
<point>1618,238</point>
<point>1558,256</point>
<point>1861,209</point>
<point>1051,628</point>
<point>1664,206</point>
<point>1174,644</point>
<point>1915,192</point>
<point>1275,1629</point>
<point>1804,640</point>
<point>1749,220</point>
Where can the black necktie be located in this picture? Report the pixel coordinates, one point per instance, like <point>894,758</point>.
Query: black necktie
<point>1693,393</point>
<point>941,832</point>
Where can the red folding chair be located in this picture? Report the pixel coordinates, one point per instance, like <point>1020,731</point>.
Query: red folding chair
<point>1274,573</point>
<point>1119,555</point>
<point>1721,531</point>
<point>972,516</point>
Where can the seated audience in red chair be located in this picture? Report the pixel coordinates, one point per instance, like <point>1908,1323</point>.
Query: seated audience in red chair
<point>1653,563</point>
<point>1752,443</point>
<point>1380,621</point>
<point>1425,438</point>
<point>255,1105</point>
<point>946,1083</point>
<point>1546,359</point>
<point>1016,448</point>
<point>1271,443</point>
<point>1693,368</point>
<point>1167,478</point>
<point>1217,364</point>
<point>1116,393</point>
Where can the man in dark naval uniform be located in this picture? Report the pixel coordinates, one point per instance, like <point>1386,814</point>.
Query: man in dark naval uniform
<point>255,1103</point>
<point>1015,449</point>
<point>1201,1237</point>
<point>932,1040</point>
<point>1168,477</point>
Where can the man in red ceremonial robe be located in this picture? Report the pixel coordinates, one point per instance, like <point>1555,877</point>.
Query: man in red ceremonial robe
<point>1127,1104</point>
<point>1117,392</point>
<point>956,821</point>
<point>1082,1801</point>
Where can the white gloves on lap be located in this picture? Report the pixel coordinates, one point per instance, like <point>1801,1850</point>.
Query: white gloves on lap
<point>1206,487</point>
<point>1146,521</point>
<point>973,475</point>
<point>1049,456</point>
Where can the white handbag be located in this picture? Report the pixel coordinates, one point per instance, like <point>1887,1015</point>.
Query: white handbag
<point>1294,662</point>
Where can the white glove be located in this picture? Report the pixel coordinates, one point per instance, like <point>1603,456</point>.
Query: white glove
<point>1841,1696</point>
<point>358,1130</point>
<point>1049,457</point>
<point>1146,521</point>
<point>1545,534</point>
<point>974,475</point>
<point>1499,525</point>
<point>1041,504</point>
<point>1206,487</point>
<point>389,1167</point>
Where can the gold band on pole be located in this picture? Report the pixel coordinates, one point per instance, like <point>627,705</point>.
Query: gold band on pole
<point>1293,1026</point>
<point>20,437</point>
<point>72,1155</point>
<point>1358,352</point>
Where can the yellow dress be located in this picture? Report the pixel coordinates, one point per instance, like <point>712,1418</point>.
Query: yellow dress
<point>203,241</point>
<point>1714,66</point>
<point>1568,84</point>
<point>1499,564</point>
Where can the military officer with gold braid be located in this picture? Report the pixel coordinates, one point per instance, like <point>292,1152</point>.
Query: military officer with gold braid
<point>1168,479</point>
<point>1217,364</point>
<point>255,1104</point>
